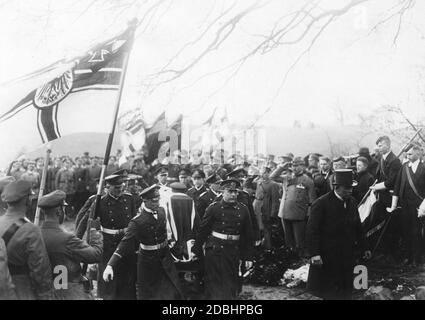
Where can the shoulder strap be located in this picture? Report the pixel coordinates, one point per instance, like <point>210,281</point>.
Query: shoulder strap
<point>10,232</point>
<point>412,185</point>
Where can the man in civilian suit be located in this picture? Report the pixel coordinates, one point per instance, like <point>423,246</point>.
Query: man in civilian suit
<point>388,167</point>
<point>409,192</point>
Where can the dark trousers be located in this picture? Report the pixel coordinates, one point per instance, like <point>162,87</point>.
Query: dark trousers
<point>294,234</point>
<point>411,231</point>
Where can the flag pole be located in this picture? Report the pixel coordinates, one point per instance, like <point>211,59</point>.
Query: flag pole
<point>93,213</point>
<point>42,185</point>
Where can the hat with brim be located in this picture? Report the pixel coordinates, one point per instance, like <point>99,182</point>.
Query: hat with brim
<point>162,170</point>
<point>214,179</point>
<point>236,172</point>
<point>52,200</point>
<point>344,177</point>
<point>231,185</point>
<point>114,180</point>
<point>150,192</point>
<point>121,172</point>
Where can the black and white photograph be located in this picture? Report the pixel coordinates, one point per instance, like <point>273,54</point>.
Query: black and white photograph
<point>222,152</point>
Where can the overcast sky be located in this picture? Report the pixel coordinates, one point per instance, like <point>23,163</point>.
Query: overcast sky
<point>348,67</point>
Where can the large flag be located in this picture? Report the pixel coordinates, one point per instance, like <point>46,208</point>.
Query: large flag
<point>77,95</point>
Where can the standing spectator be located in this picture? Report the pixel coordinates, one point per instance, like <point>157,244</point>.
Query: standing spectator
<point>322,178</point>
<point>94,174</point>
<point>373,164</point>
<point>409,191</point>
<point>364,179</point>
<point>82,184</point>
<point>66,181</point>
<point>112,166</point>
<point>313,164</point>
<point>299,195</point>
<point>267,195</point>
<point>51,175</point>
<point>387,171</point>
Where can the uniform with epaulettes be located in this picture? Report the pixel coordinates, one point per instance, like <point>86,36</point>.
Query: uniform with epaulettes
<point>157,277</point>
<point>115,214</point>
<point>226,230</point>
<point>205,199</point>
<point>245,199</point>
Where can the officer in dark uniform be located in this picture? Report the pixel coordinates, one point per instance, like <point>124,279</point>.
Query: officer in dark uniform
<point>28,260</point>
<point>67,250</point>
<point>116,209</point>
<point>226,231</point>
<point>184,177</point>
<point>157,277</point>
<point>211,194</point>
<point>199,187</point>
<point>244,198</point>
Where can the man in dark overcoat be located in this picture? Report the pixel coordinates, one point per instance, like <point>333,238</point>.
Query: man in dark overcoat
<point>334,234</point>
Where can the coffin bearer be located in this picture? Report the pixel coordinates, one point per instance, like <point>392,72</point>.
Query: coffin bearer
<point>27,256</point>
<point>226,231</point>
<point>116,210</point>
<point>210,195</point>
<point>157,277</point>
<point>199,187</point>
<point>334,232</point>
<point>66,250</point>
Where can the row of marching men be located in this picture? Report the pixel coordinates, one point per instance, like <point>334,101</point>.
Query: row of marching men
<point>135,245</point>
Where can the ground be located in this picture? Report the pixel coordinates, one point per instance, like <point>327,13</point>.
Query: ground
<point>401,280</point>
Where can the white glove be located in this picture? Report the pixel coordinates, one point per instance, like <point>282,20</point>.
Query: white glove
<point>108,274</point>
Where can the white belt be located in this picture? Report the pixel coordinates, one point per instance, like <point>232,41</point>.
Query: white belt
<point>225,236</point>
<point>111,231</point>
<point>154,247</point>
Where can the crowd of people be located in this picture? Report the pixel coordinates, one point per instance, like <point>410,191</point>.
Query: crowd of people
<point>202,215</point>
